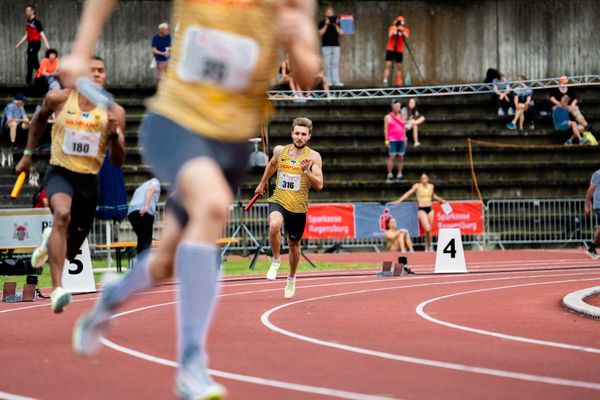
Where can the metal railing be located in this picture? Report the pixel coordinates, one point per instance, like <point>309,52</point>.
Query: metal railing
<point>526,221</point>
<point>534,221</point>
<point>426,91</point>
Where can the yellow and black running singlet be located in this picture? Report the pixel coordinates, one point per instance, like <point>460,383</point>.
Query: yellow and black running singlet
<point>223,57</point>
<point>292,185</point>
<point>79,138</point>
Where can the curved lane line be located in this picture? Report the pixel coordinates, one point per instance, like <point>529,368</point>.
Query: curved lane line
<point>421,312</point>
<point>416,360</point>
<point>342,394</point>
<point>10,396</point>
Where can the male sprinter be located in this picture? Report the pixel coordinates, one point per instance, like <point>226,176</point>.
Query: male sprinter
<point>81,136</point>
<point>195,136</point>
<point>594,193</point>
<point>298,169</point>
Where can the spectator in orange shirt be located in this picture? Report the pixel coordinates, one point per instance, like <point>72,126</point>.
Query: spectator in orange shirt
<point>397,33</point>
<point>49,69</point>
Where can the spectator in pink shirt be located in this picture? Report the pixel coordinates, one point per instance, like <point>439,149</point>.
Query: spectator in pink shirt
<point>395,140</point>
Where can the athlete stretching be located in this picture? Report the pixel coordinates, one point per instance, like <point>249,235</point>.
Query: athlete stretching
<point>195,136</point>
<point>81,136</point>
<point>298,169</point>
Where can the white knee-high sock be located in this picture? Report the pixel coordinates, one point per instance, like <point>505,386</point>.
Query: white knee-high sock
<point>137,280</point>
<point>197,271</point>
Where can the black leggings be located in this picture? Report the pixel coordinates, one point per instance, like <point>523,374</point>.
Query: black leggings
<point>33,63</point>
<point>142,226</point>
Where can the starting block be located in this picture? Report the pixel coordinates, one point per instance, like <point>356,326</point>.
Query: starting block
<point>386,269</point>
<point>399,268</point>
<point>9,292</point>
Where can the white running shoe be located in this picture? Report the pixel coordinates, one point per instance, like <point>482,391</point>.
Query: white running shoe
<point>290,288</point>
<point>40,254</point>
<point>272,274</point>
<point>60,298</point>
<point>198,386</point>
<point>91,327</point>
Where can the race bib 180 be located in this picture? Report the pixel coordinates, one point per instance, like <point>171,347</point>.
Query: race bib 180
<point>78,143</point>
<point>289,181</point>
<point>219,58</point>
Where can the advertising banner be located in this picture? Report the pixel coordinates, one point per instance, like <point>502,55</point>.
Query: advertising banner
<point>465,215</point>
<point>23,227</point>
<point>371,218</point>
<point>326,221</point>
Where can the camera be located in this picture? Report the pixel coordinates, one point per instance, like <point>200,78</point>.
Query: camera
<point>332,19</point>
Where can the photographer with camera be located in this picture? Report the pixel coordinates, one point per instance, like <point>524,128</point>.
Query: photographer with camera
<point>330,31</point>
<point>397,33</point>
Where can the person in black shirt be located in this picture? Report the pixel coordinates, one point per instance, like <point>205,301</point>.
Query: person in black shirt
<point>330,31</point>
<point>34,32</point>
<point>557,94</point>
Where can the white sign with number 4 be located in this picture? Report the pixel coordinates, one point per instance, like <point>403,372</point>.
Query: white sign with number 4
<point>450,257</point>
<point>78,276</point>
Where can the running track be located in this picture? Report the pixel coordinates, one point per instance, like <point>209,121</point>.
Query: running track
<point>492,335</point>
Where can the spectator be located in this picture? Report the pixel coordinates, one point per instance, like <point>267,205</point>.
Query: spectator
<point>593,193</point>
<point>142,209</point>
<point>562,123</point>
<point>425,192</point>
<point>523,100</point>
<point>286,77</point>
<point>556,96</point>
<point>330,31</point>
<point>161,49</point>
<point>503,96</point>
<point>14,117</point>
<point>39,198</point>
<point>395,140</point>
<point>397,239</point>
<point>397,33</point>
<point>413,119</point>
<point>321,83</point>
<point>48,70</point>
<point>34,32</point>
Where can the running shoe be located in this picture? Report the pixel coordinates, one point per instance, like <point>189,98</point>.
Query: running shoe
<point>59,298</point>
<point>198,386</point>
<point>91,327</point>
<point>511,112</point>
<point>500,112</point>
<point>417,144</point>
<point>40,254</point>
<point>390,178</point>
<point>511,125</point>
<point>583,140</point>
<point>290,288</point>
<point>592,253</point>
<point>399,177</point>
<point>272,274</point>
<point>569,142</point>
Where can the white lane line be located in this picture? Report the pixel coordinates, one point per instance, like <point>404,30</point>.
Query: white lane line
<point>342,394</point>
<point>265,319</point>
<point>10,396</point>
<point>421,312</point>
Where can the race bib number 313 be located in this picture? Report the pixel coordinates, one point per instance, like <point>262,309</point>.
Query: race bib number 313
<point>78,143</point>
<point>219,58</point>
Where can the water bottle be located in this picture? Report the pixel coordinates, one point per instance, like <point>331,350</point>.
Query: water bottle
<point>407,81</point>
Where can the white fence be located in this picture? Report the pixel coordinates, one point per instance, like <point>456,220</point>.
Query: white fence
<point>527,221</point>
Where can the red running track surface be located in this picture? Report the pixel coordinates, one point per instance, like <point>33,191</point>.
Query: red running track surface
<point>471,336</point>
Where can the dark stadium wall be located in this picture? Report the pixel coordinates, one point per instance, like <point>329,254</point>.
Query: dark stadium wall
<point>451,41</point>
